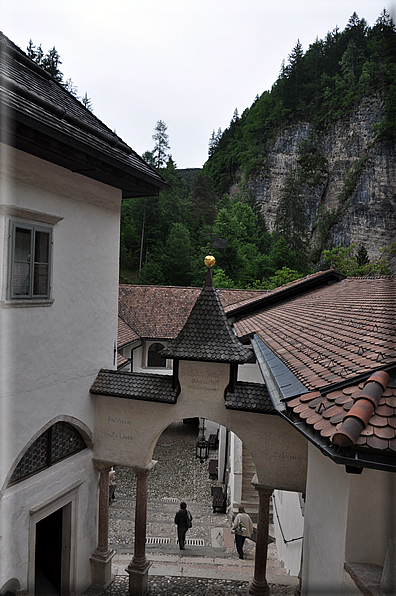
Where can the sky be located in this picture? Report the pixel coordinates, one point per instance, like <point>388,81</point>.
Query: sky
<point>189,63</point>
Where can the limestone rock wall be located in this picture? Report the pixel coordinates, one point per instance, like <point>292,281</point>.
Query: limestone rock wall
<point>358,183</point>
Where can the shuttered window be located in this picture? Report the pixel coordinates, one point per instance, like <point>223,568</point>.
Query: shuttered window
<point>30,261</point>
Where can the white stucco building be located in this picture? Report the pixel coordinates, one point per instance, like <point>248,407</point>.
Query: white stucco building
<point>62,182</point>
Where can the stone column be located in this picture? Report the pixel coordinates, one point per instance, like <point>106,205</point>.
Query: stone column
<point>259,584</point>
<point>139,566</point>
<point>101,558</point>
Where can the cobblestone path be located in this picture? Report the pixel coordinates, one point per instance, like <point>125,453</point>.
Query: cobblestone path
<point>178,476</point>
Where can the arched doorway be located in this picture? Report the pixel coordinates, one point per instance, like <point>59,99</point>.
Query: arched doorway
<point>179,476</point>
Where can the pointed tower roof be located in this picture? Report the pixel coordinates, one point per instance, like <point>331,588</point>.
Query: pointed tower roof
<point>207,335</point>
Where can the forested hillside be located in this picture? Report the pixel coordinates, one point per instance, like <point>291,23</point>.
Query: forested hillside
<point>309,166</point>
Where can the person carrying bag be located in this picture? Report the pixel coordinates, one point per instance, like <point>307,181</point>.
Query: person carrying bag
<point>242,528</point>
<point>183,520</point>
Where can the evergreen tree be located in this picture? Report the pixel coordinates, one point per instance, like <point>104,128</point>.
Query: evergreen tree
<point>51,62</point>
<point>161,146</point>
<point>87,102</point>
<point>291,218</point>
<point>204,199</point>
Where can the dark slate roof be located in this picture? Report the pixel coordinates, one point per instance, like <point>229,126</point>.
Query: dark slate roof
<point>142,386</point>
<point>207,336</point>
<point>287,383</point>
<point>160,312</point>
<point>250,397</point>
<point>44,119</point>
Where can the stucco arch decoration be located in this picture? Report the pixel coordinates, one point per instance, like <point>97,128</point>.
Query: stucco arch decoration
<point>127,430</point>
<point>82,428</point>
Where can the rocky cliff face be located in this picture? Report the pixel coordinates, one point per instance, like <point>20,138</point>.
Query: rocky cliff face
<point>351,198</point>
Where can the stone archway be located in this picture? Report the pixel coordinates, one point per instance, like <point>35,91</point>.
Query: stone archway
<point>126,431</point>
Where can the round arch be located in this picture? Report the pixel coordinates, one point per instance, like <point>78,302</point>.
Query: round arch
<point>82,428</point>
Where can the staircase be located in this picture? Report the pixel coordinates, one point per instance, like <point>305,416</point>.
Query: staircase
<point>250,499</point>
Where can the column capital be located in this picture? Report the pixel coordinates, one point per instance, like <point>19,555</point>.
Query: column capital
<point>102,466</point>
<point>144,470</point>
<point>265,489</point>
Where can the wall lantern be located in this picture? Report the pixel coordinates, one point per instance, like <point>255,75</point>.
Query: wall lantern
<point>202,445</point>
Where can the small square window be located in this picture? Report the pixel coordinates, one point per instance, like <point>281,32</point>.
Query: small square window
<point>30,261</point>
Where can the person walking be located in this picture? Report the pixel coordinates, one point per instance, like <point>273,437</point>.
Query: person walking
<point>242,528</point>
<point>183,520</point>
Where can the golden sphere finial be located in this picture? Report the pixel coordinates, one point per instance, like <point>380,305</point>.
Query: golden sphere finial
<point>210,261</point>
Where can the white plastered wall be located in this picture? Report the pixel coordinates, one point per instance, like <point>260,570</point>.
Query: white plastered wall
<point>371,516</point>
<point>126,431</point>
<point>235,479</point>
<point>287,506</point>
<point>348,518</point>
<point>51,354</point>
<point>326,511</point>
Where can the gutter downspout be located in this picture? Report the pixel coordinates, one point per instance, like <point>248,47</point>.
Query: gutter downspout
<point>270,381</point>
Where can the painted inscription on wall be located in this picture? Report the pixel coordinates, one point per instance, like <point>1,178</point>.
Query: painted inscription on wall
<point>204,385</point>
<point>205,380</point>
<point>120,430</point>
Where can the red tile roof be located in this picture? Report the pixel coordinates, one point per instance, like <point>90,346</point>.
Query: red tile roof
<point>159,312</point>
<point>333,333</point>
<point>326,413</point>
<point>121,360</point>
<point>126,335</point>
<point>298,286</point>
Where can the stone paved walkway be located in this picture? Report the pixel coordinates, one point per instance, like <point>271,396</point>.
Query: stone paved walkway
<point>209,565</point>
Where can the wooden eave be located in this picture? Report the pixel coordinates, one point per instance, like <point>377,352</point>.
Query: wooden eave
<point>73,155</point>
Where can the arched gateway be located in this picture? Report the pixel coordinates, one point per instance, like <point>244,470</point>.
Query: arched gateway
<point>133,409</point>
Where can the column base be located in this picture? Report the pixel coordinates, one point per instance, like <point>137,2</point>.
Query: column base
<point>138,580</point>
<point>256,589</point>
<point>101,569</point>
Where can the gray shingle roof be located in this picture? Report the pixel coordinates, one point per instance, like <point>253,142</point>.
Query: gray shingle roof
<point>143,386</point>
<point>37,109</point>
<point>207,336</point>
<point>250,397</point>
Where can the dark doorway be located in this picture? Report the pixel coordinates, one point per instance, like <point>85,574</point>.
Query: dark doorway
<point>48,570</point>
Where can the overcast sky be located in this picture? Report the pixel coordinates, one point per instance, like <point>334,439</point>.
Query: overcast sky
<point>189,63</point>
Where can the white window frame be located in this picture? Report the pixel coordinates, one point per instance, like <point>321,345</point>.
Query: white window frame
<point>33,228</point>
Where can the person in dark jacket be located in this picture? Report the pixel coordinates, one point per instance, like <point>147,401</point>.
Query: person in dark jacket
<point>183,521</point>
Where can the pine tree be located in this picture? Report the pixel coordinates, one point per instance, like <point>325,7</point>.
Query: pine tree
<point>51,63</point>
<point>161,147</point>
<point>291,219</point>
<point>87,102</point>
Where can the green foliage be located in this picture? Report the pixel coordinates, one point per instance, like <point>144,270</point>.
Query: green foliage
<point>291,216</point>
<point>161,144</point>
<point>281,277</point>
<point>50,62</point>
<point>348,262</point>
<point>318,86</point>
<point>327,219</point>
<point>220,279</point>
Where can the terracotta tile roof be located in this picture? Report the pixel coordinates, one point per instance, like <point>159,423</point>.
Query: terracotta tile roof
<point>207,335</point>
<point>326,413</point>
<point>159,312</point>
<point>306,283</point>
<point>250,397</point>
<point>142,386</point>
<point>332,334</point>
<point>121,360</point>
<point>126,335</point>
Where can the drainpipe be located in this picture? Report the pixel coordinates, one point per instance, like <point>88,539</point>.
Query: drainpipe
<point>270,382</point>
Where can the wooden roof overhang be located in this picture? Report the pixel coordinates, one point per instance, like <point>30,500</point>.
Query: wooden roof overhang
<point>36,138</point>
